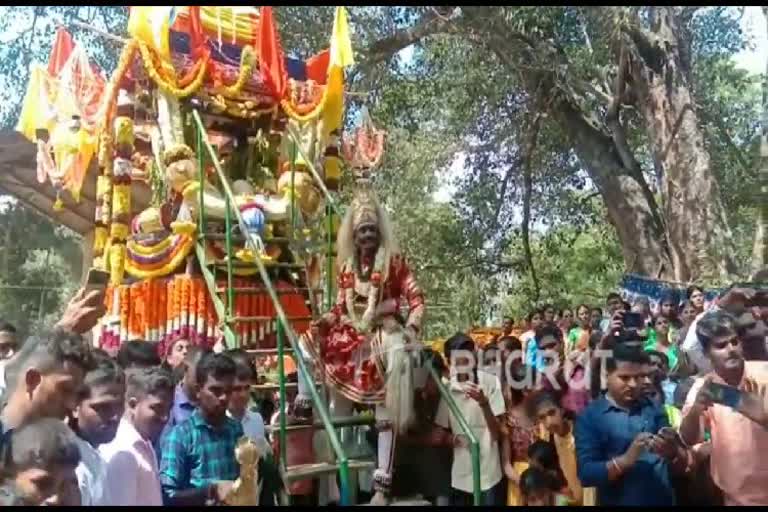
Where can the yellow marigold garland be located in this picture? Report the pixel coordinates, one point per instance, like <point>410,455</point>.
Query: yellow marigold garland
<point>172,89</point>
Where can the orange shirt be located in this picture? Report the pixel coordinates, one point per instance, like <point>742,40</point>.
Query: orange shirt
<point>739,465</point>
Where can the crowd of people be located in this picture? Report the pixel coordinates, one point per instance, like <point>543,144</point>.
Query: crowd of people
<point>574,407</point>
<point>592,409</point>
<point>137,429</point>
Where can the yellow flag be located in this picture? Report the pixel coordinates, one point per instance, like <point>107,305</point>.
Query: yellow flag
<point>341,57</point>
<point>341,45</point>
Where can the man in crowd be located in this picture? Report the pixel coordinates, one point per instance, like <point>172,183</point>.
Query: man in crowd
<point>739,435</point>
<point>620,445</point>
<point>95,421</point>
<point>132,467</point>
<point>138,354</point>
<point>240,406</point>
<point>197,465</point>
<point>614,304</point>
<point>46,378</point>
<point>479,398</point>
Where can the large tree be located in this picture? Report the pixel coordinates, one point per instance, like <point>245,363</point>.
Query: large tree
<point>615,90</point>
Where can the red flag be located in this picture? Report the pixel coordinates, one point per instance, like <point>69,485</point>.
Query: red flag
<point>317,67</point>
<point>62,48</point>
<point>271,57</point>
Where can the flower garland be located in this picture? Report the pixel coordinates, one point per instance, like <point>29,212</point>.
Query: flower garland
<point>247,62</point>
<point>104,185</point>
<point>165,85</point>
<point>303,113</point>
<point>364,324</point>
<point>121,187</point>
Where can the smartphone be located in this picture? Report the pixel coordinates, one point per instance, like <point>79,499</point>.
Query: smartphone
<point>724,395</point>
<point>97,280</point>
<point>633,321</point>
<point>672,433</point>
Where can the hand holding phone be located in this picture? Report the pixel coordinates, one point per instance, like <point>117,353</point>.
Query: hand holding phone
<point>97,280</point>
<point>724,395</point>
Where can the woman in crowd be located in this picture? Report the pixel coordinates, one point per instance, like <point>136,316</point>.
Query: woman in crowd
<point>566,321</point>
<point>575,335</point>
<point>661,339</point>
<point>695,294</point>
<point>518,432</point>
<point>535,318</point>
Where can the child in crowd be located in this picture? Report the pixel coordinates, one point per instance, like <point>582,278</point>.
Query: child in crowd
<point>556,426</point>
<point>542,455</point>
<point>40,458</point>
<point>132,466</point>
<point>537,488</point>
<point>299,444</point>
<point>95,420</point>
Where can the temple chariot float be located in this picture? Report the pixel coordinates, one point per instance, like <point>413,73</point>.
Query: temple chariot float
<point>190,80</point>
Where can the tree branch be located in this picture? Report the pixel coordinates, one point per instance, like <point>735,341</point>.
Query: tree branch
<point>612,119</point>
<point>527,193</point>
<point>431,23</point>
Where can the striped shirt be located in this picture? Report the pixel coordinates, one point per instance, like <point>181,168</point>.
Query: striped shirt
<point>196,454</point>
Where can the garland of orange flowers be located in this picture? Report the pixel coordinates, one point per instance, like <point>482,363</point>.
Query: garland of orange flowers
<point>165,85</point>
<point>303,113</point>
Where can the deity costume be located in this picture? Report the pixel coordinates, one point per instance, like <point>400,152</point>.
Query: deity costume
<point>362,350</point>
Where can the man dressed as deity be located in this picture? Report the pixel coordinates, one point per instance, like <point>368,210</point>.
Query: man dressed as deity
<point>363,343</point>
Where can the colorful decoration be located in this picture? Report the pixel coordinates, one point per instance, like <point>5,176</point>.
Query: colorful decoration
<point>364,150</point>
<point>121,186</point>
<point>164,310</point>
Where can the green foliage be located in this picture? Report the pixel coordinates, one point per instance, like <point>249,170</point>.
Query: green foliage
<point>39,268</point>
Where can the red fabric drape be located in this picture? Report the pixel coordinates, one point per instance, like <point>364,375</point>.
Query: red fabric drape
<point>197,38</point>
<point>62,48</point>
<point>271,56</point>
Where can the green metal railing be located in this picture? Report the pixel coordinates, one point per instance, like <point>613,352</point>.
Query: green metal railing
<point>474,446</point>
<point>253,242</point>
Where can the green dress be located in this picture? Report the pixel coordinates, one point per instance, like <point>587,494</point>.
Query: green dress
<point>673,352</point>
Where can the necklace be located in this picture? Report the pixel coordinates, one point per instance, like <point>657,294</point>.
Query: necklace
<point>364,324</point>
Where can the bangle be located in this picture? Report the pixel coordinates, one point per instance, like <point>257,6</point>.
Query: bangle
<point>618,466</point>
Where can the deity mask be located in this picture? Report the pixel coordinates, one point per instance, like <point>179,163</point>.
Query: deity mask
<point>367,237</point>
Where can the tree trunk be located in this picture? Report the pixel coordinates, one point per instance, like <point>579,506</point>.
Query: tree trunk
<point>697,229</point>
<point>631,211</point>
<point>760,248</point>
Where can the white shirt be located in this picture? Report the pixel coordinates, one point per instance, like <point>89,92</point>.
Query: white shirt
<point>253,425</point>
<point>92,476</point>
<point>132,469</point>
<point>490,463</point>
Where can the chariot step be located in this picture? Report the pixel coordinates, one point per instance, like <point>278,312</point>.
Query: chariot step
<point>304,471</point>
<point>344,421</point>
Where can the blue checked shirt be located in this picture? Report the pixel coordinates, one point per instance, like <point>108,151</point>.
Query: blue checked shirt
<point>196,454</point>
